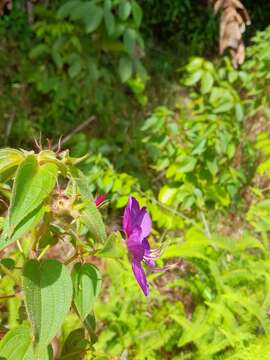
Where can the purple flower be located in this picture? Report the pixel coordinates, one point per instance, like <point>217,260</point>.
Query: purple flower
<point>137,227</point>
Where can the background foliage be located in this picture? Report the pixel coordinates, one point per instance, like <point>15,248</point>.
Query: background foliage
<point>170,121</point>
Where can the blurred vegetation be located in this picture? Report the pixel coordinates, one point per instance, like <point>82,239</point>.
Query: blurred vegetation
<point>181,129</point>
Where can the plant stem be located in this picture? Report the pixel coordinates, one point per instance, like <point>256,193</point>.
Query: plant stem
<point>43,252</point>
<point>7,272</point>
<point>79,352</point>
<point>207,230</point>
<point>6,297</point>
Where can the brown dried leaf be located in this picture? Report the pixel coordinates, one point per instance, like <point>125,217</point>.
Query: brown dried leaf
<point>233,21</point>
<point>3,4</point>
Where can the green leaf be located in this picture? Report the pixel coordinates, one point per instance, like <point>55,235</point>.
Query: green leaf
<point>9,160</point>
<point>47,288</point>
<point>67,8</point>
<point>226,106</point>
<point>87,283</point>
<point>137,13</point>
<point>125,68</point>
<point>90,325</point>
<point>75,342</point>
<point>207,82</point>
<point>94,222</point>
<point>90,214</point>
<point>113,248</point>
<point>33,184</point>
<point>17,344</point>
<point>187,164</point>
<point>130,36</point>
<point>124,10</point>
<point>167,195</point>
<point>24,226</point>
<point>92,18</point>
<point>194,78</point>
<point>75,68</point>
<point>109,18</point>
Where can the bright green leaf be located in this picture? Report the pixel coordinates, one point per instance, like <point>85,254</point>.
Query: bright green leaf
<point>47,288</point>
<point>27,224</point>
<point>207,82</point>
<point>17,344</point>
<point>33,184</point>
<point>87,283</point>
<point>9,160</point>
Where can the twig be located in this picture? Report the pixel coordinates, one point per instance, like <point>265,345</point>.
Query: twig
<point>11,296</point>
<point>207,230</point>
<point>74,131</point>
<point>43,252</point>
<point>75,257</point>
<point>9,127</point>
<point>79,352</point>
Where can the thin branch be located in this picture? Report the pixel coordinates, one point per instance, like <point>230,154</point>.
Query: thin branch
<point>79,128</point>
<point>207,230</point>
<point>80,352</point>
<point>11,296</point>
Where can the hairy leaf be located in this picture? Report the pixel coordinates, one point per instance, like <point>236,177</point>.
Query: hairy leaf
<point>47,287</point>
<point>86,282</point>
<point>33,183</point>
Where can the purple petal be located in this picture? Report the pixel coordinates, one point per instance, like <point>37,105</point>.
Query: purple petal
<point>146,223</point>
<point>131,211</point>
<point>134,216</point>
<point>134,244</point>
<point>140,276</point>
<point>150,262</point>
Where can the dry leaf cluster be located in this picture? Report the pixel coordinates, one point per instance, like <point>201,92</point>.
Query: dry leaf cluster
<point>233,22</point>
<point>3,4</point>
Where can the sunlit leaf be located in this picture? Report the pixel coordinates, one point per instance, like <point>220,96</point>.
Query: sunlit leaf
<point>86,282</point>
<point>17,344</point>
<point>33,183</point>
<point>47,288</point>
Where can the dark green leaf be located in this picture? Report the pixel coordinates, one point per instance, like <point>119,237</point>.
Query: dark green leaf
<point>75,68</point>
<point>75,342</point>
<point>109,18</point>
<point>124,9</point>
<point>137,13</point>
<point>93,18</point>
<point>125,68</point>
<point>67,8</point>
<point>130,40</point>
